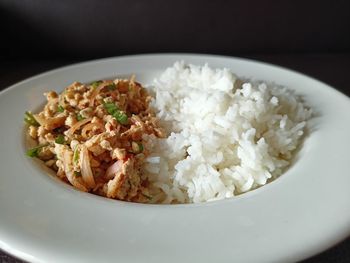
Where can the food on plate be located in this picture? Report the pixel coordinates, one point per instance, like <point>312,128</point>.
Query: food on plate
<point>195,134</point>
<point>92,136</point>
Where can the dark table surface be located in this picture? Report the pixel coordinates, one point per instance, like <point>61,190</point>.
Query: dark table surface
<point>332,69</point>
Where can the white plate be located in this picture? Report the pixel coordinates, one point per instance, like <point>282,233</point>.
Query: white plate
<point>302,213</point>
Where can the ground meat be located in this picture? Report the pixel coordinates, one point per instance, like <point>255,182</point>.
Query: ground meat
<point>92,136</point>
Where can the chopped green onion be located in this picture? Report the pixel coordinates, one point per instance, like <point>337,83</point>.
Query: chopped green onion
<point>111,87</point>
<point>29,118</point>
<point>77,174</point>
<point>34,152</point>
<point>80,117</point>
<point>121,117</point>
<point>110,107</point>
<point>95,84</point>
<point>76,155</point>
<point>60,108</point>
<point>113,110</point>
<point>60,139</point>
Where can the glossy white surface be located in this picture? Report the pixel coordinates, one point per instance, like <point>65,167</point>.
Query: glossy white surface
<point>303,212</point>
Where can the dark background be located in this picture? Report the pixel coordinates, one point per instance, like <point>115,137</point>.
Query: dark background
<point>312,37</point>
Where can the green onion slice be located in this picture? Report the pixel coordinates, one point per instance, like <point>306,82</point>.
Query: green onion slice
<point>60,139</point>
<point>110,107</point>
<point>60,108</point>
<point>34,152</point>
<point>113,110</point>
<point>76,155</point>
<point>80,117</point>
<point>29,118</point>
<point>121,117</point>
<point>95,84</point>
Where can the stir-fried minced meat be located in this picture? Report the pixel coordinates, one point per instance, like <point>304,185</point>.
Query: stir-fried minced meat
<point>92,136</point>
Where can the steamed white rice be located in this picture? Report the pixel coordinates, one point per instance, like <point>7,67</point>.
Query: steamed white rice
<point>226,136</point>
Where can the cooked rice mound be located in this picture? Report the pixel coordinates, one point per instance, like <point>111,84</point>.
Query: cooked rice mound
<point>226,136</point>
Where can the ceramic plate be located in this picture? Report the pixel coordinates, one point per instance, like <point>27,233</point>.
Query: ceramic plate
<point>301,213</point>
